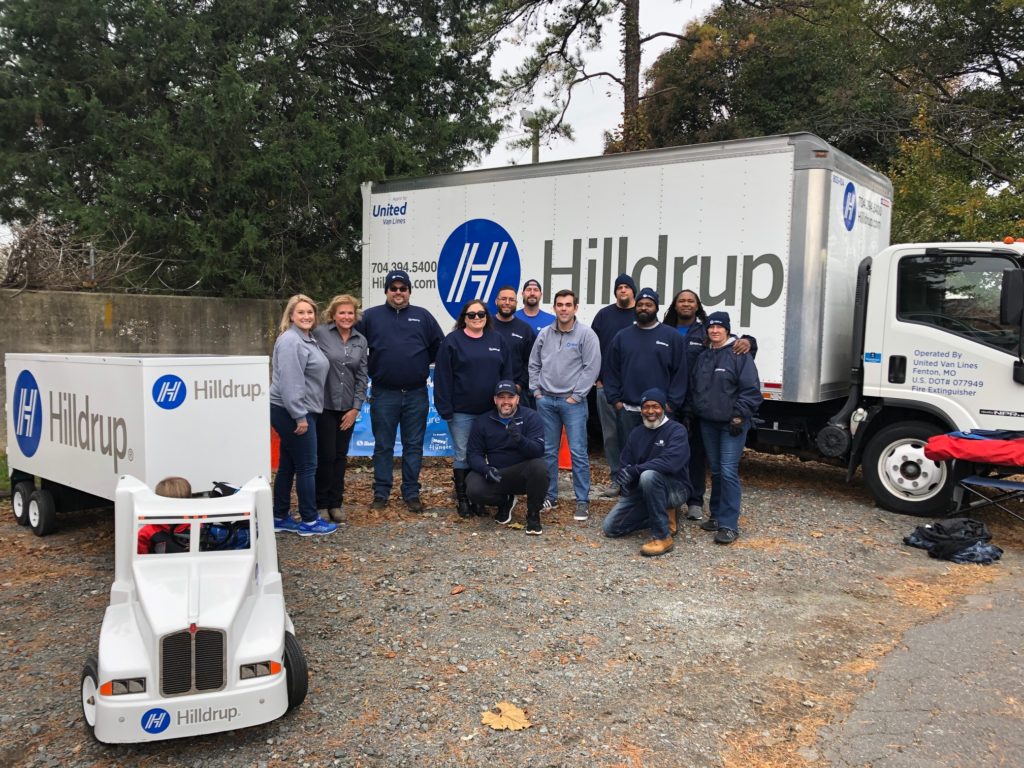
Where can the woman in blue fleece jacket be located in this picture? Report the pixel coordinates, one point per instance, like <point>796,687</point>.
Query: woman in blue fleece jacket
<point>471,361</point>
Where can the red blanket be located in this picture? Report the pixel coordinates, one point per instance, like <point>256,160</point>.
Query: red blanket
<point>1005,453</point>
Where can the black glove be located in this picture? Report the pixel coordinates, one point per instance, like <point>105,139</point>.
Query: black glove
<point>736,426</point>
<point>514,431</point>
<point>626,476</point>
<point>493,475</point>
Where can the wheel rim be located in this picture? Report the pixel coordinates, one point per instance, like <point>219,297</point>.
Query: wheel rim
<point>18,504</point>
<point>89,699</point>
<point>907,472</point>
<point>33,513</point>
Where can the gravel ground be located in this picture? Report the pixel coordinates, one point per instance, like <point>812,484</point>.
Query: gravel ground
<point>415,626</point>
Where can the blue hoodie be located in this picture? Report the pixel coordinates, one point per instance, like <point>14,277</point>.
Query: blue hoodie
<point>403,343</point>
<point>467,371</point>
<point>641,358</point>
<point>724,384</point>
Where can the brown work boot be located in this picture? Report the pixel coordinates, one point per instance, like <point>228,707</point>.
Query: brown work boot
<point>337,514</point>
<point>673,517</point>
<point>656,547</point>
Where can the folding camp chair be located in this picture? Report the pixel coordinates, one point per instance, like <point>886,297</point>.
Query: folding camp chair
<point>986,459</point>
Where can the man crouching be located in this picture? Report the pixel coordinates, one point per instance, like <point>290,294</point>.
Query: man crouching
<point>653,476</point>
<point>506,457</point>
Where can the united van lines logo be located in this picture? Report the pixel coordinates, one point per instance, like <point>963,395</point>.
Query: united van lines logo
<point>28,414</point>
<point>156,720</point>
<point>850,206</point>
<point>477,259</point>
<point>169,391</point>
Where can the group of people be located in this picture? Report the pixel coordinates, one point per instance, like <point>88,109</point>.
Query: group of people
<point>671,395</point>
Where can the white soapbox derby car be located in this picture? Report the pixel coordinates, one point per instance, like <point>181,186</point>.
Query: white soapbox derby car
<point>194,641</point>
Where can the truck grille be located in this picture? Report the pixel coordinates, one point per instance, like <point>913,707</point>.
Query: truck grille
<point>192,663</point>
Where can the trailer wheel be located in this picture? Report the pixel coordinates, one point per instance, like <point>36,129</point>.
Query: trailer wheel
<point>900,477</point>
<point>90,690</point>
<point>42,513</point>
<point>296,672</point>
<point>20,497</point>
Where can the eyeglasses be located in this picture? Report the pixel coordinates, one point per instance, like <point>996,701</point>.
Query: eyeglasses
<point>476,315</point>
<point>399,288</point>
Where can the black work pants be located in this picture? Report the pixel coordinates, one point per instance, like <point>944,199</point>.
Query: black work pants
<point>527,477</point>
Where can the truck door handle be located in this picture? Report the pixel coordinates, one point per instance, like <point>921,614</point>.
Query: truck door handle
<point>897,369</point>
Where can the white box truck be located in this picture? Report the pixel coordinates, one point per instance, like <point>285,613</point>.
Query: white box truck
<point>77,423</point>
<point>864,350</point>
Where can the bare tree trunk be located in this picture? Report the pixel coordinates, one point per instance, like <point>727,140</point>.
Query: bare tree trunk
<point>632,134</point>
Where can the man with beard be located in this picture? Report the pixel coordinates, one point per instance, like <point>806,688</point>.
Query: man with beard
<point>506,457</point>
<point>645,355</point>
<point>653,477</point>
<point>531,313</point>
<point>519,337</point>
<point>607,323</point>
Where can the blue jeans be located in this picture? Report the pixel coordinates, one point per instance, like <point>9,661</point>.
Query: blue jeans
<point>556,414</point>
<point>646,506</point>
<point>297,463</point>
<point>724,452</point>
<point>389,410</point>
<point>459,426</point>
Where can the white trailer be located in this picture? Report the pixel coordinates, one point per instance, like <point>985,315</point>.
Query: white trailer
<point>783,232</point>
<point>76,423</point>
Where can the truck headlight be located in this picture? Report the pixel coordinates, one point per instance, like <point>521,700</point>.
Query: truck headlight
<point>121,687</point>
<point>259,669</point>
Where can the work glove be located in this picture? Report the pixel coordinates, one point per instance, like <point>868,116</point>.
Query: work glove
<point>515,431</point>
<point>736,426</point>
<point>493,475</point>
<point>626,476</point>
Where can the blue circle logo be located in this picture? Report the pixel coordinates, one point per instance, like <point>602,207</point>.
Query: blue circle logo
<point>850,206</point>
<point>156,720</point>
<point>169,392</point>
<point>477,259</point>
<point>27,413</point>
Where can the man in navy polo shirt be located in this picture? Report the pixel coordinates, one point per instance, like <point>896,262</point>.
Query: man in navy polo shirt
<point>403,342</point>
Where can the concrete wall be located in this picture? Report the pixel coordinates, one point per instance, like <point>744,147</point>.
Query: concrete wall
<point>61,322</point>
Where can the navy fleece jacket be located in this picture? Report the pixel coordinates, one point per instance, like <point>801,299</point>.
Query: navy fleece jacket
<point>491,444</point>
<point>467,371</point>
<point>403,343</point>
<point>641,358</point>
<point>665,449</point>
<point>519,338</point>
<point>607,323</point>
<point>724,384</point>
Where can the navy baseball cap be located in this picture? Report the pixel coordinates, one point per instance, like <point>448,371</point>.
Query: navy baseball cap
<point>397,276</point>
<point>533,282</point>
<point>506,387</point>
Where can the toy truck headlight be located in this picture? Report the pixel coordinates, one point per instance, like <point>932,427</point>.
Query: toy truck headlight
<point>121,687</point>
<point>259,669</point>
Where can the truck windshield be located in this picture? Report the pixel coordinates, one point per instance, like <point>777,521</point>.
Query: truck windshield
<point>958,293</point>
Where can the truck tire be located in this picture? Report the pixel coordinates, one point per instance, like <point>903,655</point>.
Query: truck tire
<point>20,497</point>
<point>296,672</point>
<point>42,513</point>
<point>90,689</point>
<point>900,477</point>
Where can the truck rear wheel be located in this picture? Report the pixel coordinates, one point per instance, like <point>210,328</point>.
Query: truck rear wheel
<point>900,477</point>
<point>296,672</point>
<point>42,513</point>
<point>90,690</point>
<point>20,498</point>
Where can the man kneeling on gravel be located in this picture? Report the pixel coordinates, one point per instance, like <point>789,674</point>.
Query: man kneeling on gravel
<point>653,475</point>
<point>506,457</point>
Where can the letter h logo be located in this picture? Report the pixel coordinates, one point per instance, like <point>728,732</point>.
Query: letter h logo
<point>168,391</point>
<point>27,404</point>
<point>483,274</point>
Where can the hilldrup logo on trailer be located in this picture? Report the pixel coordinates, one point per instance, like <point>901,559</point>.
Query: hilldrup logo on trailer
<point>850,206</point>
<point>169,391</point>
<point>28,413</point>
<point>476,260</point>
<point>155,720</point>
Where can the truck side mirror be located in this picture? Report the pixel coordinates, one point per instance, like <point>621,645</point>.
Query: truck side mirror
<point>1011,300</point>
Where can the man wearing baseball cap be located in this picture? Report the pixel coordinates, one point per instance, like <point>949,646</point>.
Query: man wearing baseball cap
<point>506,457</point>
<point>653,476</point>
<point>403,341</point>
<point>531,312</point>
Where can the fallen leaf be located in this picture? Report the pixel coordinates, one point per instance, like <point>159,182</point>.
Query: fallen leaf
<point>505,717</point>
<point>515,526</point>
<point>816,534</point>
<point>458,589</point>
<point>529,569</point>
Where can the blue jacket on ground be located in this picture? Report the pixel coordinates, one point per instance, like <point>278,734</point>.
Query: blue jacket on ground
<point>641,358</point>
<point>607,323</point>
<point>665,450</point>
<point>403,343</point>
<point>723,385</point>
<point>490,443</point>
<point>467,371</point>
<point>519,338</point>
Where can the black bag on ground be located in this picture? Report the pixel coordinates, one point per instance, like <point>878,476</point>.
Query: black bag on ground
<point>948,537</point>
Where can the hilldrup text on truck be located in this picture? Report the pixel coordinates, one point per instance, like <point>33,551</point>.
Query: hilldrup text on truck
<point>787,234</point>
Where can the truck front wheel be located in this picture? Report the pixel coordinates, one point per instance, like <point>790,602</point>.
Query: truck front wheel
<point>42,513</point>
<point>90,688</point>
<point>296,672</point>
<point>900,477</point>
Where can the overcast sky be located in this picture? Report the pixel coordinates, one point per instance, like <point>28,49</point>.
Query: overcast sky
<point>597,104</point>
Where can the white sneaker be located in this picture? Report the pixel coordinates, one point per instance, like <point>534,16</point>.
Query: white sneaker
<point>548,505</point>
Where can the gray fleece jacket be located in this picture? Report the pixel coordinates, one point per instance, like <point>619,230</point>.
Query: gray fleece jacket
<point>298,372</point>
<point>565,363</point>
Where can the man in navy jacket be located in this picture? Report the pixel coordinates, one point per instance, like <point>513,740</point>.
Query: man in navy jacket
<point>653,477</point>
<point>403,342</point>
<point>506,457</point>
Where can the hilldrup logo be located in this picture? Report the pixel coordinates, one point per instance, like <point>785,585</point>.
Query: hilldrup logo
<point>156,720</point>
<point>850,206</point>
<point>28,413</point>
<point>477,259</point>
<point>169,391</point>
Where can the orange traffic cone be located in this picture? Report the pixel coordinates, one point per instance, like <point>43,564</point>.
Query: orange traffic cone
<point>275,449</point>
<point>564,457</point>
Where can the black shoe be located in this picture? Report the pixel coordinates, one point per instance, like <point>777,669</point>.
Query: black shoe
<point>478,509</point>
<point>726,536</point>
<point>414,504</point>
<point>709,525</point>
<point>533,525</point>
<point>463,508</point>
<point>504,514</point>
<point>379,502</point>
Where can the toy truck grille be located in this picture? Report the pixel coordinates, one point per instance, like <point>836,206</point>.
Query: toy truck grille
<point>192,662</point>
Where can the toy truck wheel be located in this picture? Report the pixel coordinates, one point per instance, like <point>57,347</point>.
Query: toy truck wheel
<point>296,671</point>
<point>42,513</point>
<point>90,687</point>
<point>20,497</point>
<point>900,477</point>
